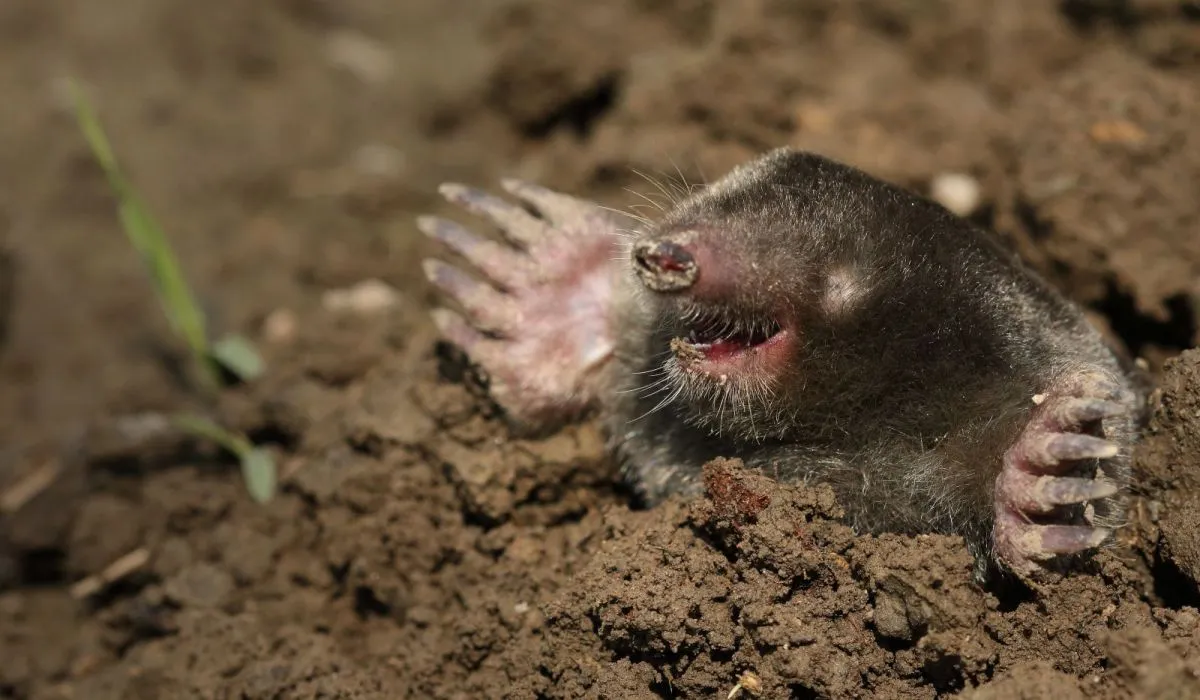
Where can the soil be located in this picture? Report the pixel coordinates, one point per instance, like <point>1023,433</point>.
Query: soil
<point>416,548</point>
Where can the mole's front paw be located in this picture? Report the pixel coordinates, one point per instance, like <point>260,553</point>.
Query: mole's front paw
<point>1057,472</point>
<point>539,325</point>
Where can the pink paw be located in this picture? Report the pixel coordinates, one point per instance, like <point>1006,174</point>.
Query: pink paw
<point>1056,472</point>
<point>539,324</point>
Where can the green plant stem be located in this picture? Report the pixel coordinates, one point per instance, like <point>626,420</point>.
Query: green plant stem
<point>151,244</point>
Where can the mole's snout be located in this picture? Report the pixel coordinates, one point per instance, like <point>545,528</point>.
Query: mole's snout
<point>664,266</point>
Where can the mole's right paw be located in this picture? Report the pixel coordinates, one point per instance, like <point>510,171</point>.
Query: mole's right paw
<point>1061,461</point>
<point>539,327</point>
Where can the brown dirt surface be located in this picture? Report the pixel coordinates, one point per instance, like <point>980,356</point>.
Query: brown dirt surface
<point>417,549</point>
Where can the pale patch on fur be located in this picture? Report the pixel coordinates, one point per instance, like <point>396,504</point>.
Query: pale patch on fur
<point>844,288</point>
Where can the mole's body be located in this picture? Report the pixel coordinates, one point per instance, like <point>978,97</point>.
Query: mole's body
<point>821,325</point>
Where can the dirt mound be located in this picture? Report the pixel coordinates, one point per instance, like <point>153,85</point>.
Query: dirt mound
<point>419,550</point>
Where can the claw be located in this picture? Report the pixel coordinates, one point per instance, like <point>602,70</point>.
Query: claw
<point>1043,542</point>
<point>1052,450</point>
<point>488,308</point>
<point>1020,542</point>
<point>519,225</point>
<point>499,262</point>
<point>1066,490</point>
<point>1074,446</point>
<point>455,328</point>
<point>1029,493</point>
<point>560,209</point>
<point>1073,413</point>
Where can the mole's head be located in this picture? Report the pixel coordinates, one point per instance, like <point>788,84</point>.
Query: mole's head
<point>757,286</point>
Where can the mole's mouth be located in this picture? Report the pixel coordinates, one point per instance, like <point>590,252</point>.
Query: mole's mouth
<point>716,344</point>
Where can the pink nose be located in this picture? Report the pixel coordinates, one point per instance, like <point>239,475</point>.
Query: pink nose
<point>664,266</point>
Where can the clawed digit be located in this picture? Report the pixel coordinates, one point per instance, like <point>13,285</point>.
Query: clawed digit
<point>1057,464</point>
<point>502,265</point>
<point>518,225</point>
<point>488,308</point>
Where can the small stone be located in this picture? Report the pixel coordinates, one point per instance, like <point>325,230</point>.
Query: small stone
<point>365,58</point>
<point>200,586</point>
<point>378,160</point>
<point>172,555</point>
<point>958,192</point>
<point>1117,131</point>
<point>368,296</point>
<point>748,683</point>
<point>815,118</point>
<point>280,326</point>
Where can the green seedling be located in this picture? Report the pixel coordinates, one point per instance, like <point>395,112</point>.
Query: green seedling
<point>232,352</point>
<point>258,468</point>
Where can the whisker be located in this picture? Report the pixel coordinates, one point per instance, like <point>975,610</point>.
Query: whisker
<point>652,202</point>
<point>653,370</point>
<point>636,217</point>
<point>661,188</point>
<point>685,189</point>
<point>645,388</point>
<point>661,404</point>
<point>670,399</point>
<point>658,388</point>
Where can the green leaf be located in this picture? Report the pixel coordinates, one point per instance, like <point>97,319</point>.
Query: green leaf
<point>151,243</point>
<point>238,355</point>
<point>258,469</point>
<point>204,428</point>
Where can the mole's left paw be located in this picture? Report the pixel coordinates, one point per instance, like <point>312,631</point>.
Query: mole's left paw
<point>1059,462</point>
<point>538,321</point>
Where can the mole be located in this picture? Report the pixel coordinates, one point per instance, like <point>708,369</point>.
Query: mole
<point>820,324</point>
